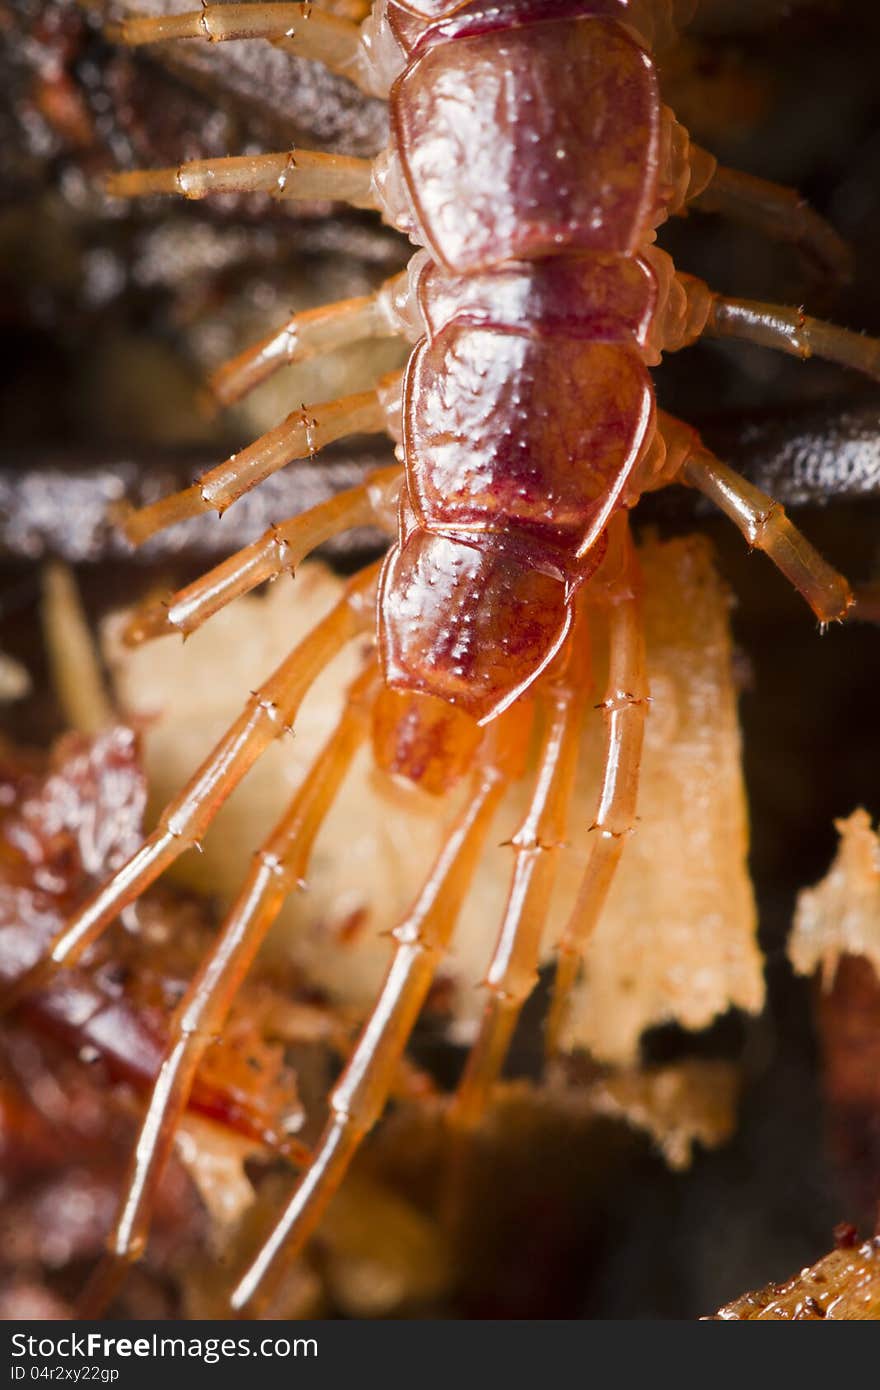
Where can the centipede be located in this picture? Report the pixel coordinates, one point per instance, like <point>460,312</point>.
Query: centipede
<point>531,162</point>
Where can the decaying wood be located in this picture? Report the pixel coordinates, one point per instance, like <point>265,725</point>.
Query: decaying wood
<point>840,916</point>
<point>836,939</point>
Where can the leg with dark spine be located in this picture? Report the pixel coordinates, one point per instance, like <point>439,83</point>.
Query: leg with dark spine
<point>421,940</point>
<point>300,436</point>
<point>300,175</point>
<point>791,330</point>
<point>513,972</point>
<point>267,715</point>
<point>309,334</point>
<point>279,866</point>
<point>761,520</point>
<point>305,30</point>
<point>279,551</point>
<point>623,708</point>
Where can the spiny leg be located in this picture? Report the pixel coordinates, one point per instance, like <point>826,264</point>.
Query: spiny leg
<point>777,212</point>
<point>309,334</point>
<point>279,866</point>
<point>513,972</point>
<point>302,29</point>
<point>705,313</point>
<point>281,549</point>
<point>623,708</point>
<point>268,714</point>
<point>421,940</point>
<point>289,174</point>
<point>792,331</point>
<point>301,435</point>
<point>761,520</point>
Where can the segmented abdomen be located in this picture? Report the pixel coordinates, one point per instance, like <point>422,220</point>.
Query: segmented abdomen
<point>530,152</point>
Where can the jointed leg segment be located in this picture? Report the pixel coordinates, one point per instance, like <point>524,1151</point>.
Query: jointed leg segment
<point>513,972</point>
<point>301,435</point>
<point>280,549</point>
<point>624,709</point>
<point>268,714</point>
<point>278,867</point>
<point>761,520</point>
<point>421,940</point>
<point>303,175</point>
<point>792,331</point>
<point>307,31</point>
<point>305,335</point>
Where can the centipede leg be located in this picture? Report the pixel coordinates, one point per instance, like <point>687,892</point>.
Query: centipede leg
<point>306,335</point>
<point>792,331</point>
<point>267,715</point>
<point>761,520</point>
<point>772,209</point>
<point>296,175</point>
<point>513,972</point>
<point>301,435</point>
<point>279,550</point>
<point>304,30</point>
<point>278,867</point>
<point>623,708</point>
<point>421,940</point>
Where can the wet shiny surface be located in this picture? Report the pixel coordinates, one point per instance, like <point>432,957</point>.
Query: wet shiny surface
<point>422,739</point>
<point>527,439</point>
<point>505,158</point>
<point>602,298</point>
<point>472,626</point>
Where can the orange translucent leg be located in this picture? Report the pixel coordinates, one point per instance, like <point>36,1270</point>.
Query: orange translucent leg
<point>792,331</point>
<point>308,32</point>
<point>772,209</point>
<point>421,940</point>
<point>281,549</point>
<point>268,714</point>
<point>513,972</point>
<point>301,435</point>
<point>310,334</point>
<point>300,174</point>
<point>623,708</point>
<point>761,520</point>
<point>279,866</point>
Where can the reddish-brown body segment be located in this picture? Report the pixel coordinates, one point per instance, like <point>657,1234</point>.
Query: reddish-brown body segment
<point>524,442</point>
<point>529,142</point>
<point>469,623</point>
<point>530,151</point>
<point>598,297</point>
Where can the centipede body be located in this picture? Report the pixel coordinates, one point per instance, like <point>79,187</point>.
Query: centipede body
<point>528,317</point>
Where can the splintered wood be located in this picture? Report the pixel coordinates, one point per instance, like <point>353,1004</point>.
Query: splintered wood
<point>677,939</point>
<point>678,1107</point>
<point>840,916</point>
